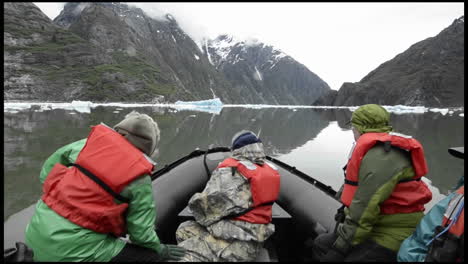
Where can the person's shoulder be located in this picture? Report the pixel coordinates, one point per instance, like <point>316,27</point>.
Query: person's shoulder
<point>379,153</point>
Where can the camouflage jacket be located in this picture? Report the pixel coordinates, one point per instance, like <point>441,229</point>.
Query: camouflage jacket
<point>226,194</point>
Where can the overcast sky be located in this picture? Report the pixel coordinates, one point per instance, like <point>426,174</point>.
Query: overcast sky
<point>340,42</point>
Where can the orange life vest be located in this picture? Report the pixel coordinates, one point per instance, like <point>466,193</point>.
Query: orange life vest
<point>447,245</point>
<point>408,196</point>
<point>458,228</point>
<point>264,185</point>
<point>76,197</point>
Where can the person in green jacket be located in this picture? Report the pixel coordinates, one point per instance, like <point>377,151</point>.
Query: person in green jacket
<point>383,196</point>
<point>59,234</point>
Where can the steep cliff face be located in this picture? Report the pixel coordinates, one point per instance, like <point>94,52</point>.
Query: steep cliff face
<point>429,73</point>
<point>32,47</point>
<point>264,73</point>
<point>106,51</point>
<point>118,28</point>
<point>47,62</point>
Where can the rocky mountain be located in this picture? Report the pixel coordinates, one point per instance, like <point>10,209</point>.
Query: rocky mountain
<point>263,72</point>
<point>106,51</point>
<point>429,73</point>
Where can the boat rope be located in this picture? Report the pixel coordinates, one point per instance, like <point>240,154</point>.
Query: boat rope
<point>208,172</point>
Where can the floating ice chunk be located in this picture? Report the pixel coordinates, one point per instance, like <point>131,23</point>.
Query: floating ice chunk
<point>443,111</point>
<point>403,109</point>
<point>210,102</point>
<point>15,107</point>
<point>82,106</point>
<point>462,114</point>
<point>213,106</point>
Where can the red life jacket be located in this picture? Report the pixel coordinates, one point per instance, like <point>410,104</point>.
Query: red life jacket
<point>264,186</point>
<point>73,195</point>
<point>458,228</point>
<point>408,196</point>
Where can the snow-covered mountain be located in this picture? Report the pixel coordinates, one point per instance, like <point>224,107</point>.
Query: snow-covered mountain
<point>109,51</point>
<point>261,70</point>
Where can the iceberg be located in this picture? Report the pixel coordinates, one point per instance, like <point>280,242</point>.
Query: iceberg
<point>213,106</point>
<point>443,111</point>
<point>215,102</point>
<point>403,109</point>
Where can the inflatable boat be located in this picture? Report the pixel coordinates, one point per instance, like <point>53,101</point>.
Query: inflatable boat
<point>305,207</point>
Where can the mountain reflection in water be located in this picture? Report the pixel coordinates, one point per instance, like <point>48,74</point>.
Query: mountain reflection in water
<point>316,141</point>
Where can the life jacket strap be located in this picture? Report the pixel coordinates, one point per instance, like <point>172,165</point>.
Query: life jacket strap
<point>100,183</point>
<point>355,183</point>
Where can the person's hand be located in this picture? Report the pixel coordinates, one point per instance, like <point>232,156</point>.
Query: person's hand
<point>171,252</point>
<point>333,256</point>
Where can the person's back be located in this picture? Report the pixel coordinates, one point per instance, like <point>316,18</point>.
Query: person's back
<point>233,212</point>
<point>86,204</point>
<point>439,237</point>
<point>383,197</point>
<point>53,238</point>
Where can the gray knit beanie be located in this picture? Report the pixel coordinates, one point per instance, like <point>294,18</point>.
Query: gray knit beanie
<point>141,130</point>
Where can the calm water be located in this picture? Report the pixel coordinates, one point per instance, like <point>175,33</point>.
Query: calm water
<point>314,140</point>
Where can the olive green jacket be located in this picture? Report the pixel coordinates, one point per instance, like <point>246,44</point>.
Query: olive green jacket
<point>54,238</point>
<point>379,173</point>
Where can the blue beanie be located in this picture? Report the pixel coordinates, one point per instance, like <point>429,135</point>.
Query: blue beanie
<point>245,138</point>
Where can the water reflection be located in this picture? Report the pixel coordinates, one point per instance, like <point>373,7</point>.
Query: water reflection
<point>316,141</point>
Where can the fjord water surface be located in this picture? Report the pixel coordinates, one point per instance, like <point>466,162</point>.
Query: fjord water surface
<point>315,141</point>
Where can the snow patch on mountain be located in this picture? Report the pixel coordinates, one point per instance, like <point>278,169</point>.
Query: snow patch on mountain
<point>258,75</point>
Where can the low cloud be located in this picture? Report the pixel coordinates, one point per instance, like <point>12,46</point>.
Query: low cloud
<point>182,15</point>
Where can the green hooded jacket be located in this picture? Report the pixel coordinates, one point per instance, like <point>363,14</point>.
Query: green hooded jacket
<point>379,173</point>
<point>54,238</point>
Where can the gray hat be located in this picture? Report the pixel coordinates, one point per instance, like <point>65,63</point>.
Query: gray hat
<point>141,131</point>
<point>458,152</point>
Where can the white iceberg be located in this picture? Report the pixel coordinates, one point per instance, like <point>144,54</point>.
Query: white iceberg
<point>403,109</point>
<point>443,111</point>
<point>210,102</point>
<point>213,106</point>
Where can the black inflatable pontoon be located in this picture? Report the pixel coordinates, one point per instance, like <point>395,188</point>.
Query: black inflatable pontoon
<point>304,209</point>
